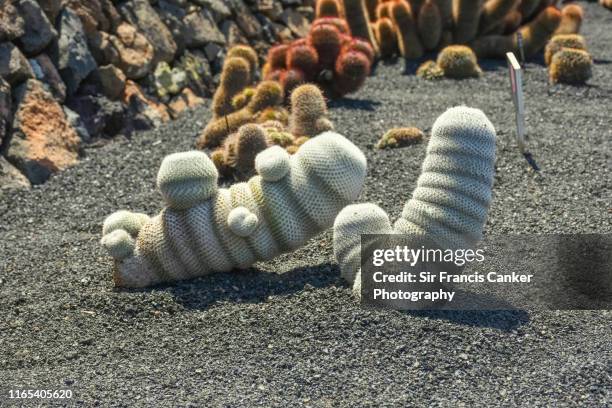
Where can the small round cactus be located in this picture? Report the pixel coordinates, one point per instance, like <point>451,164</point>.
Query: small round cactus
<point>339,23</point>
<point>267,94</point>
<point>400,137</point>
<point>303,58</point>
<point>560,41</point>
<point>352,69</point>
<point>458,62</point>
<point>430,70</point>
<point>359,45</point>
<point>571,19</point>
<point>272,164</point>
<point>243,98</point>
<point>570,66</point>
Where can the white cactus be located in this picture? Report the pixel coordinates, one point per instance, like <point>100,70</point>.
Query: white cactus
<point>206,229</point>
<point>450,202</point>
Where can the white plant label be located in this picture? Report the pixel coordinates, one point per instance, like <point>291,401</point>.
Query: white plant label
<point>516,83</point>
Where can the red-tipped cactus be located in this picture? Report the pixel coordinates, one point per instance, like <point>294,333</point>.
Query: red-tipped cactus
<point>339,23</point>
<point>327,41</point>
<point>352,69</point>
<point>359,45</point>
<point>328,8</point>
<point>304,58</point>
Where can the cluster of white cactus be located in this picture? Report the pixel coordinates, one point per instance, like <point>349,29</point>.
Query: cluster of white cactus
<point>206,229</point>
<point>450,202</point>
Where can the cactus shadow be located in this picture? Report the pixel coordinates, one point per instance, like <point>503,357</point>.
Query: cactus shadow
<point>503,320</point>
<point>489,65</point>
<point>354,104</point>
<point>251,285</point>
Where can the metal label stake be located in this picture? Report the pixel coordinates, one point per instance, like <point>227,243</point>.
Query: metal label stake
<point>516,83</point>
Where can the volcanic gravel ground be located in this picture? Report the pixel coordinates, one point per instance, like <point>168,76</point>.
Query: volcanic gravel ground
<point>298,339</point>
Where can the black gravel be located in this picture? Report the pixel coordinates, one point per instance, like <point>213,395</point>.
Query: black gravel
<point>260,338</point>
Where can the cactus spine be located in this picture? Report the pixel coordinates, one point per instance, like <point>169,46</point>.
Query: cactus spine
<point>451,200</point>
<point>206,229</point>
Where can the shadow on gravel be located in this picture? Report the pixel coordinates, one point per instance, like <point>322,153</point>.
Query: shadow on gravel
<point>354,104</point>
<point>504,320</point>
<point>251,285</point>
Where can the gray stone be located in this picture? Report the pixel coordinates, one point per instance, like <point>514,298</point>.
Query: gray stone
<point>112,81</point>
<point>39,32</point>
<point>142,15</point>
<point>267,28</point>
<point>213,51</point>
<point>5,109</point>
<point>11,178</point>
<point>172,15</point>
<point>100,116</point>
<point>219,8</point>
<point>11,22</point>
<point>14,66</point>
<point>45,71</point>
<point>51,8</point>
<point>200,29</point>
<point>246,20</point>
<point>297,23</point>
<point>71,53</point>
<point>270,8</point>
<point>75,121</point>
<point>232,33</point>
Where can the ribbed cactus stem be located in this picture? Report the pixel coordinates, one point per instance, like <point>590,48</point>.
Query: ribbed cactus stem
<point>451,199</point>
<point>206,229</point>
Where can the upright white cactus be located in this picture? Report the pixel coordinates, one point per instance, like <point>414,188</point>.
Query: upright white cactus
<point>207,229</point>
<point>451,200</point>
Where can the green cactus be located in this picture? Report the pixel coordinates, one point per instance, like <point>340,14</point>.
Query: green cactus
<point>400,137</point>
<point>206,229</point>
<point>458,62</point>
<point>571,66</point>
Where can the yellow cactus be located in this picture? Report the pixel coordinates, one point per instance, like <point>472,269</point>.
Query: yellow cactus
<point>571,66</point>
